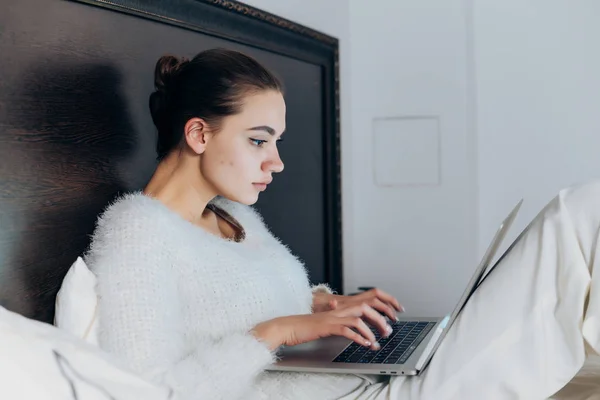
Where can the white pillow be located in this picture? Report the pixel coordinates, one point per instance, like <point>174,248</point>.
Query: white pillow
<point>76,303</point>
<point>39,361</point>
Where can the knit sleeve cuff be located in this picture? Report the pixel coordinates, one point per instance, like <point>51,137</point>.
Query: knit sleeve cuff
<point>225,368</point>
<point>321,288</point>
<point>255,350</point>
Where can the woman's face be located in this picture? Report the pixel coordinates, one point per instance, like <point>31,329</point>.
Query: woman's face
<point>239,160</point>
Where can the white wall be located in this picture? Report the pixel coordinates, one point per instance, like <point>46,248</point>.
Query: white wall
<point>538,102</point>
<point>409,58</point>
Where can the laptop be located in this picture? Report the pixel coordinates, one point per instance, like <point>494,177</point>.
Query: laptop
<point>407,351</point>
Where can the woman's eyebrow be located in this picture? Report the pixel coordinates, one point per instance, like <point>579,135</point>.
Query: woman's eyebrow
<point>265,128</point>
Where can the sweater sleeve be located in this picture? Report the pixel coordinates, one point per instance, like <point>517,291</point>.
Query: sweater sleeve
<point>140,321</point>
<point>321,288</point>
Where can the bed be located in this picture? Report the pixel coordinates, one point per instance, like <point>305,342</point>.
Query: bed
<point>75,132</point>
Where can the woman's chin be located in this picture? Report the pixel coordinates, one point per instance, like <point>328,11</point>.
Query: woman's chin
<point>246,199</point>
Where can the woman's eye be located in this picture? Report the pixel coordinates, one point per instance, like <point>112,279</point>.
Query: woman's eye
<point>257,142</point>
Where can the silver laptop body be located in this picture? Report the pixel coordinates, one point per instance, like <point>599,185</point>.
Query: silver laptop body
<point>407,351</point>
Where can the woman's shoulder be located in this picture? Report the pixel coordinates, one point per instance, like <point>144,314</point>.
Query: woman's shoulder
<point>129,208</point>
<point>127,231</point>
<point>133,216</point>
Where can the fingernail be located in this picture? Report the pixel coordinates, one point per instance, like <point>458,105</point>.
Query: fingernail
<point>367,343</point>
<point>402,309</point>
<point>377,346</point>
<point>388,330</point>
<point>397,319</point>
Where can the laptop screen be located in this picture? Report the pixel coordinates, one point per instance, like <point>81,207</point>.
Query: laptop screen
<point>476,279</point>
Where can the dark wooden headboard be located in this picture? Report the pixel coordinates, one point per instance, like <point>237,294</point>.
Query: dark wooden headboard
<point>75,129</point>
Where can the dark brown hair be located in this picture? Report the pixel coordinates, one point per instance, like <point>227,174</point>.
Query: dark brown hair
<point>210,86</point>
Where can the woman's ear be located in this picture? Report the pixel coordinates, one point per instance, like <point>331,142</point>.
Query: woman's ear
<point>197,134</point>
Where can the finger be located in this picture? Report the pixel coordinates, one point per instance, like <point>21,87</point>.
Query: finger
<point>386,298</point>
<point>354,336</point>
<point>333,304</point>
<point>377,320</point>
<point>365,311</point>
<point>362,328</point>
<point>384,308</point>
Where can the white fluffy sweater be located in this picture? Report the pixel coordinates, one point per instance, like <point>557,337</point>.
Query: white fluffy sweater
<point>177,303</point>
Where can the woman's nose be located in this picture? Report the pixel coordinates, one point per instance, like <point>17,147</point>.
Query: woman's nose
<point>275,164</point>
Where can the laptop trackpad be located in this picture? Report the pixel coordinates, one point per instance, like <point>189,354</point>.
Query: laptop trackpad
<point>316,350</point>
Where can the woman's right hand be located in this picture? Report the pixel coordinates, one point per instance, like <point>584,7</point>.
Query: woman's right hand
<point>298,329</point>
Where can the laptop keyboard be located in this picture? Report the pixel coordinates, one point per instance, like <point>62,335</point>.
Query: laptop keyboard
<point>395,349</point>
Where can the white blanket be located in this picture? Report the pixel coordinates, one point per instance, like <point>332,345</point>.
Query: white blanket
<point>39,361</point>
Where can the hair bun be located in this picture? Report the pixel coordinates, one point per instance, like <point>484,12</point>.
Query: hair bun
<point>166,70</point>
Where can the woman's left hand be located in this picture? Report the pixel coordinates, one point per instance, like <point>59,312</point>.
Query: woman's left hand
<point>375,298</point>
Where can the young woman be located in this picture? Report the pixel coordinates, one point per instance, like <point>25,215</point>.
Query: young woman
<point>196,293</point>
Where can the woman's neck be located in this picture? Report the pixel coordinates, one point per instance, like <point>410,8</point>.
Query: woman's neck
<point>180,188</point>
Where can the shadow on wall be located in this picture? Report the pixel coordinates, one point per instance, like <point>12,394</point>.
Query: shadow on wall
<point>63,130</point>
